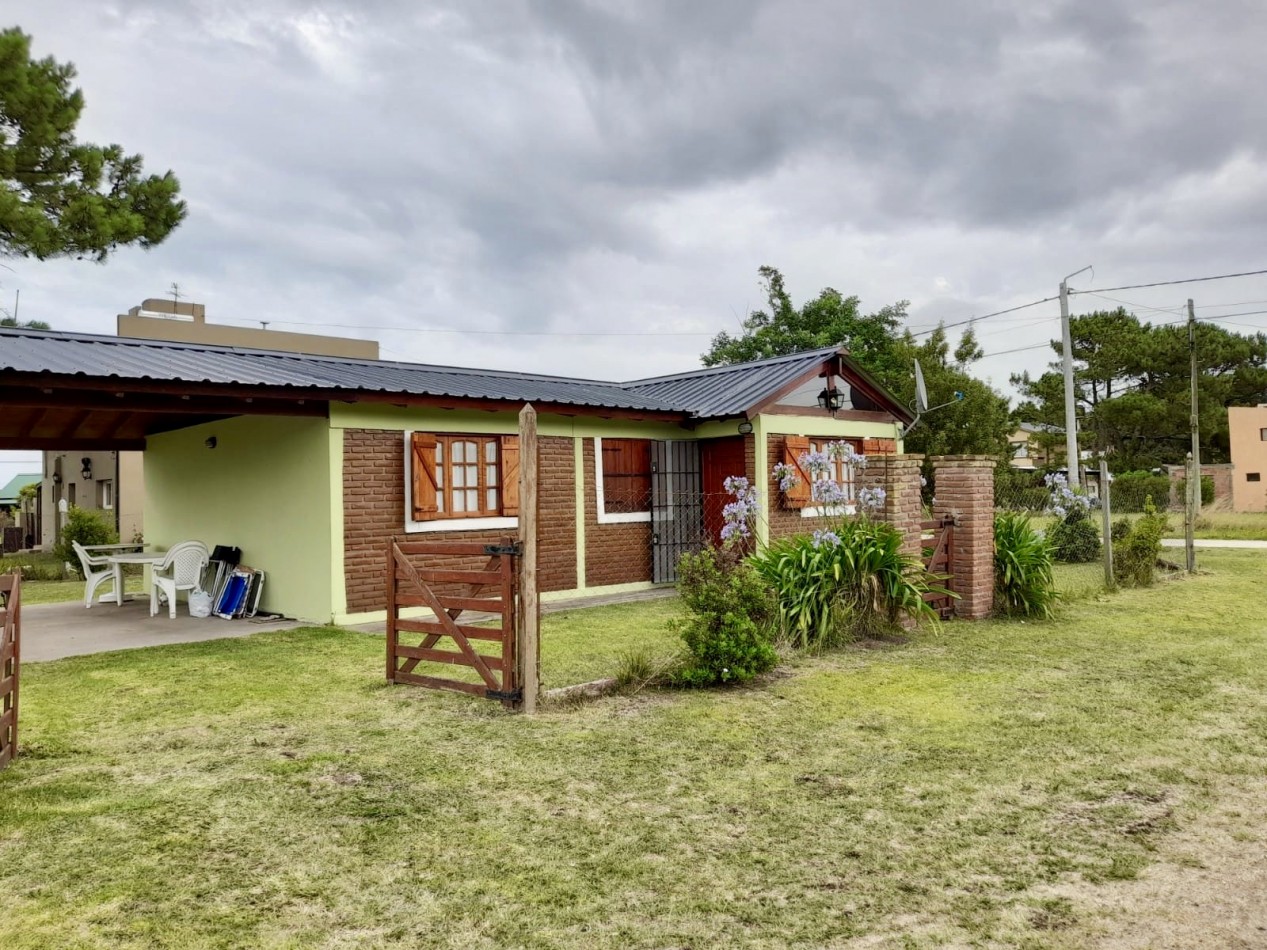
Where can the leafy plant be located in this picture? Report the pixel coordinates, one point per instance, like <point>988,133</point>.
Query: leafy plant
<point>728,631</point>
<point>1074,540</point>
<point>849,581</point>
<point>1135,554</point>
<point>1129,489</point>
<point>34,567</point>
<point>1024,584</point>
<point>87,526</point>
<point>1207,490</point>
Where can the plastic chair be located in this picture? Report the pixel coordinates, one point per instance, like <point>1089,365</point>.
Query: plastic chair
<point>97,570</point>
<point>180,570</point>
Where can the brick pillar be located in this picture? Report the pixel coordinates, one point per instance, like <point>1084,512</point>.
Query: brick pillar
<point>965,492</point>
<point>899,476</point>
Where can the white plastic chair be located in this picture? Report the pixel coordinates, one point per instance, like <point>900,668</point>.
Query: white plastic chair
<point>181,569</point>
<point>97,570</point>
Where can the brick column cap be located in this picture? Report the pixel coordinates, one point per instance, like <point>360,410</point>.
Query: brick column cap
<point>964,461</point>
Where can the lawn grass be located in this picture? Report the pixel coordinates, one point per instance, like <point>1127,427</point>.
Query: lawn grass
<point>60,592</point>
<point>272,791</point>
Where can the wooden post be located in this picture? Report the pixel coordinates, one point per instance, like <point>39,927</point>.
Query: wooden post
<point>10,664</point>
<point>1189,517</point>
<point>391,611</point>
<point>1108,523</point>
<point>529,606</point>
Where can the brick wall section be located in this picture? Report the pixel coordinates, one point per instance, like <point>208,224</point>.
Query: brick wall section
<point>965,492</point>
<point>1220,473</point>
<point>374,506</point>
<point>903,508</point>
<point>784,521</point>
<point>614,553</point>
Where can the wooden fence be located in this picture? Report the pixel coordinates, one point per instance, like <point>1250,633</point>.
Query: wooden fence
<point>10,655</point>
<point>436,575</point>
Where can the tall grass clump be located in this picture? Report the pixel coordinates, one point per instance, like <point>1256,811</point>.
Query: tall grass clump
<point>1024,584</point>
<point>843,583</point>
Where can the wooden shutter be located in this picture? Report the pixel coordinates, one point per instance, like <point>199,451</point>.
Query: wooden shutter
<point>423,462</point>
<point>510,475</point>
<point>794,446</point>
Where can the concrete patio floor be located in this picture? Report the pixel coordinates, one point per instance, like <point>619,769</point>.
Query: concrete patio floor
<point>53,631</point>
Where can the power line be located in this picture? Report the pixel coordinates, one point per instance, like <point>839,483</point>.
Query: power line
<point>359,326</point>
<point>1167,283</point>
<point>984,316</point>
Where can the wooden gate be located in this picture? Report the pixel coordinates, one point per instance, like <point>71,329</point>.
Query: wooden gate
<point>448,590</point>
<point>10,643</point>
<point>938,539</point>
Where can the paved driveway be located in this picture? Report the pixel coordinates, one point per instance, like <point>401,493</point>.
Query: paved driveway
<point>52,631</point>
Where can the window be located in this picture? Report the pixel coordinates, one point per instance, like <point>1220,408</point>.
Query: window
<point>839,472</point>
<point>623,479</point>
<point>105,494</point>
<point>1262,435</point>
<point>460,477</point>
<point>1253,476</point>
<point>801,494</point>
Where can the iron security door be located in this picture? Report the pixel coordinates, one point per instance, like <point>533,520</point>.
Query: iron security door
<point>677,510</point>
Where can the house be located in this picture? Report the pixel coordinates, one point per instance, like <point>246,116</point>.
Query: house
<point>113,482</point>
<point>1030,450</point>
<point>17,514</point>
<point>1247,438</point>
<point>311,463</point>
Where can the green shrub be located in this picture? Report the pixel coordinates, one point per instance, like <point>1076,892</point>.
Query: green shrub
<point>845,583</point>
<point>1018,490</point>
<point>1024,584</point>
<point>1135,554</point>
<point>728,631</point>
<point>1207,490</point>
<point>1074,540</point>
<point>87,526</point>
<point>34,567</point>
<point>1129,489</point>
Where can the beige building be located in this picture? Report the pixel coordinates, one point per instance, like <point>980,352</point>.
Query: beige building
<point>114,482</point>
<point>159,319</point>
<point>1247,435</point>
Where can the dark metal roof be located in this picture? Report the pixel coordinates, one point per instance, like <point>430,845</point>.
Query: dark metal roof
<point>72,354</point>
<point>714,393</point>
<point>730,390</point>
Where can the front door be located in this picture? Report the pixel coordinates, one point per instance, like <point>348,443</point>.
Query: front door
<point>719,459</point>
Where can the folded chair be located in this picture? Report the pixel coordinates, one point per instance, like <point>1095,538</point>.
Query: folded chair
<point>97,571</point>
<point>180,570</point>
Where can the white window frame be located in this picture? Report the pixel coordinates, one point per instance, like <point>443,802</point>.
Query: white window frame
<point>445,524</point>
<point>830,511</point>
<point>615,517</point>
<point>107,494</point>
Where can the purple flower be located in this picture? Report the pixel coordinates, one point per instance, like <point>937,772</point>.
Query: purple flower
<point>871,499</point>
<point>785,475</point>
<point>826,537</point>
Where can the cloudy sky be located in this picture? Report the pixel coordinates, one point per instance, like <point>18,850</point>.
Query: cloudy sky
<point>551,174</point>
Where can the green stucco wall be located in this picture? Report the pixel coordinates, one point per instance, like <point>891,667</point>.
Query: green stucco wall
<point>265,487</point>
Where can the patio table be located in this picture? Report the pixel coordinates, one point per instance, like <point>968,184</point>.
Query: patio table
<point>134,557</point>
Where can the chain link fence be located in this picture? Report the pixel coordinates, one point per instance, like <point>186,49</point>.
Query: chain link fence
<point>1083,549</point>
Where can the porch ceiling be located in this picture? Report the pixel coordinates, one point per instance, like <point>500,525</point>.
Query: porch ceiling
<point>70,414</point>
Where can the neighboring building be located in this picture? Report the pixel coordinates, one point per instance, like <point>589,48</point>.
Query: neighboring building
<point>312,464</point>
<point>1029,451</point>
<point>160,319</point>
<point>1247,436</point>
<point>114,482</point>
<point>19,525</point>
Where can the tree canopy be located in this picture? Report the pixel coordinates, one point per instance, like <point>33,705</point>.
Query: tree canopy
<point>60,197</point>
<point>8,320</point>
<point>830,319</point>
<point>977,424</point>
<point>1132,381</point>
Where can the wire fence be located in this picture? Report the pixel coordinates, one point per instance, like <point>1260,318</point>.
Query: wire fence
<point>1082,547</point>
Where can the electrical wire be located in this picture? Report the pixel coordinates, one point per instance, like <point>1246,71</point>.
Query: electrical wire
<point>1168,283</point>
<point>984,316</point>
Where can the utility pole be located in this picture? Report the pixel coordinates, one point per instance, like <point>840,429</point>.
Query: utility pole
<point>1195,420</point>
<point>1071,415</point>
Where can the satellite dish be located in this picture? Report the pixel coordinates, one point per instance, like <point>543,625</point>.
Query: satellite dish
<point>921,391</point>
